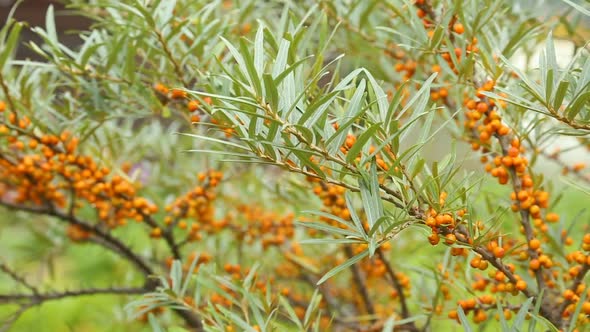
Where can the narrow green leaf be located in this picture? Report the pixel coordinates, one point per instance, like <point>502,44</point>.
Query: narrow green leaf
<point>331,241</point>
<point>312,306</point>
<point>380,96</point>
<point>436,38</point>
<point>290,312</point>
<point>304,159</point>
<point>424,92</point>
<point>536,309</point>
<point>281,60</point>
<point>353,111</point>
<point>503,321</point>
<point>176,276</point>
<point>130,65</point>
<point>154,323</point>
<point>361,141</point>
<point>463,320</point>
<point>522,35</point>
<point>377,224</point>
<point>50,25</point>
<point>272,95</point>
<point>369,187</point>
<point>346,223</point>
<point>242,66</point>
<point>220,141</point>
<point>549,85</point>
<point>259,50</point>
<point>573,321</point>
<point>560,94</point>
<point>577,105</point>
<point>250,68</point>
<point>522,312</point>
<point>329,229</point>
<point>358,224</point>
<point>579,8</point>
<point>236,319</point>
<point>418,167</point>
<point>343,266</point>
<point>313,113</point>
<point>189,274</point>
<point>282,75</point>
<point>9,46</point>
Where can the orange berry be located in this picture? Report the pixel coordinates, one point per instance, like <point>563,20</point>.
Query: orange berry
<point>161,88</point>
<point>475,262</point>
<point>552,217</point>
<point>450,238</point>
<point>430,222</point>
<point>246,28</point>
<point>499,252</point>
<point>433,239</point>
<point>483,265</point>
<point>193,105</point>
<point>178,94</point>
<point>480,316</point>
<point>521,285</point>
<point>453,314</point>
<point>568,294</point>
<point>156,232</point>
<point>535,210</point>
<point>513,152</point>
<point>458,28</point>
<point>578,167</point>
<point>522,195</point>
<point>484,136</point>
<point>482,107</point>
<point>503,130</point>
<point>2,106</point>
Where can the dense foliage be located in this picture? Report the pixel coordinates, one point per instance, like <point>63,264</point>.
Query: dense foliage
<point>345,165</point>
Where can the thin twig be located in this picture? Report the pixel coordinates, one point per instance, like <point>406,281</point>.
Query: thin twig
<point>112,243</point>
<point>118,247</point>
<point>175,64</point>
<point>39,298</point>
<point>397,286</point>
<point>168,236</point>
<point>359,281</point>
<point>19,279</point>
<point>524,214</point>
<point>7,94</point>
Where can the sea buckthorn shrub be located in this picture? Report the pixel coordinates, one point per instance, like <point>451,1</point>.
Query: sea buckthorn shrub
<point>292,166</point>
